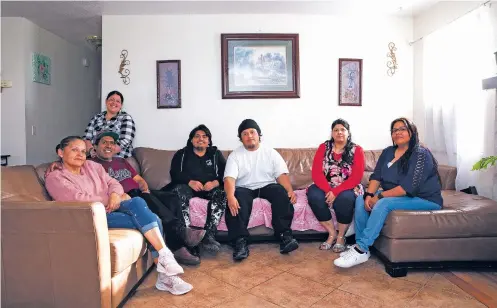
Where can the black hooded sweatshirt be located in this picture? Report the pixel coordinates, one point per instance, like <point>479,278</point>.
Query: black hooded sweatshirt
<point>187,166</point>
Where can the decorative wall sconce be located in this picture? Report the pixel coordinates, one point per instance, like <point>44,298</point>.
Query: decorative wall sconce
<point>122,70</point>
<point>391,64</point>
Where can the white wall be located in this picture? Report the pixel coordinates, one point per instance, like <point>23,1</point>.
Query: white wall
<point>304,122</point>
<point>65,107</point>
<point>435,18</point>
<point>57,110</point>
<point>13,107</point>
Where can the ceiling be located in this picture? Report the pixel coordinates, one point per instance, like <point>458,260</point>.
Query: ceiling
<point>74,20</point>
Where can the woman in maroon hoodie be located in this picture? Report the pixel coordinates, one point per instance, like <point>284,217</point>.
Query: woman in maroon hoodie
<point>82,180</point>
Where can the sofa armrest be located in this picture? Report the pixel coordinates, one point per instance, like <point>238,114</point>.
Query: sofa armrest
<point>55,254</point>
<point>448,177</point>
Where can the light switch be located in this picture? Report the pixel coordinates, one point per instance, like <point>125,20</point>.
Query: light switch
<point>6,83</point>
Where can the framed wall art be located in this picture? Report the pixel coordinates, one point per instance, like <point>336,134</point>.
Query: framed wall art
<point>260,65</point>
<point>42,69</point>
<point>349,82</point>
<point>169,84</point>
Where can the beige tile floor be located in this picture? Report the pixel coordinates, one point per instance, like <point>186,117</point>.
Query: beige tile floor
<point>305,278</point>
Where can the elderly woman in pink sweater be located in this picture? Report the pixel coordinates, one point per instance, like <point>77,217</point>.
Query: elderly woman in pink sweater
<point>82,180</point>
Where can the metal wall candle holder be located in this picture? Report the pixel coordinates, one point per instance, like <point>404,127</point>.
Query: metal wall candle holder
<point>391,64</point>
<point>122,70</point>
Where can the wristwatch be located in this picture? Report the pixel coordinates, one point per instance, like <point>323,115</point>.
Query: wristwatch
<point>380,196</point>
<point>366,194</point>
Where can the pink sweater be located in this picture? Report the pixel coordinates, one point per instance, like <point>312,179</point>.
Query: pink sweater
<point>93,184</point>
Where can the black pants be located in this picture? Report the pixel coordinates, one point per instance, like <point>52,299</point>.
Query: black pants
<point>343,205</point>
<point>281,207</point>
<point>168,207</point>
<point>215,207</point>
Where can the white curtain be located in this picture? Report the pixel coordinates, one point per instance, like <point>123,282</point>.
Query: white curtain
<point>459,116</point>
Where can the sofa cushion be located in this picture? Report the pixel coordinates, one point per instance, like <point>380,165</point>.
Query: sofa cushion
<point>20,183</point>
<point>303,218</point>
<point>371,157</point>
<point>40,172</point>
<point>132,161</point>
<point>155,166</point>
<point>463,216</point>
<point>299,162</point>
<point>448,176</point>
<point>365,178</point>
<point>126,246</point>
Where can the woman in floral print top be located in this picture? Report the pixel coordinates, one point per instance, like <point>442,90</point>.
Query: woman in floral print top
<point>337,171</point>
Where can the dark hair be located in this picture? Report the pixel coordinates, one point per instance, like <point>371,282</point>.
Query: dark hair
<point>413,142</point>
<point>203,128</point>
<point>413,145</point>
<point>347,150</point>
<point>65,142</point>
<point>113,93</point>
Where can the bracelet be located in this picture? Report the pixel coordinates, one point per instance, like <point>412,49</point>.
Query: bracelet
<point>366,194</point>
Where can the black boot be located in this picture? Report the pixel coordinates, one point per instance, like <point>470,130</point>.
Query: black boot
<point>209,242</point>
<point>183,256</point>
<point>191,237</point>
<point>241,250</point>
<point>195,251</point>
<point>288,243</point>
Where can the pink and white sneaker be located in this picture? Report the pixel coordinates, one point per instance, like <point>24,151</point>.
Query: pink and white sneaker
<point>167,264</point>
<point>173,284</point>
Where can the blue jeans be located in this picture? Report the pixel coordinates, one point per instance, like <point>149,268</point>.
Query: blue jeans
<point>369,224</point>
<point>135,214</point>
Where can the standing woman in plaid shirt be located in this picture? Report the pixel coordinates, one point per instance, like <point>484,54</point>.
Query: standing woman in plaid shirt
<point>113,119</point>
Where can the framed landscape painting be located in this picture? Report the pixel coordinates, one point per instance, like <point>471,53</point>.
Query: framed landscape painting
<point>349,82</point>
<point>169,84</point>
<point>260,65</point>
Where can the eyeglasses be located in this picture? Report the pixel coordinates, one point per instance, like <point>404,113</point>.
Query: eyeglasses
<point>400,129</point>
<point>201,136</point>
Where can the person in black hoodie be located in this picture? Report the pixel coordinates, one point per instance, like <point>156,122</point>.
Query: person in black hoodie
<point>197,171</point>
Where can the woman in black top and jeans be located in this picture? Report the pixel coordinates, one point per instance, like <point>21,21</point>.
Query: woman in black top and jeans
<point>408,175</point>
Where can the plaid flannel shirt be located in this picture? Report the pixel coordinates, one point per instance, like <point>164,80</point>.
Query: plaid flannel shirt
<point>122,124</point>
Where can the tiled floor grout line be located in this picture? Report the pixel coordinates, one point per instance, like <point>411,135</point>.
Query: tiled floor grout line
<point>267,300</point>
<point>418,291</point>
<point>334,289</point>
<point>367,298</point>
<point>298,264</point>
<point>296,276</point>
<point>378,274</point>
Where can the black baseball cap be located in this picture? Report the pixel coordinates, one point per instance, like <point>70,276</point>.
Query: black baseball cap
<point>112,134</point>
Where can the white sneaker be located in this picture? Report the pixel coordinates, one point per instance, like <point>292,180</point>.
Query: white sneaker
<point>352,258</point>
<point>347,247</point>
<point>173,284</point>
<point>168,265</point>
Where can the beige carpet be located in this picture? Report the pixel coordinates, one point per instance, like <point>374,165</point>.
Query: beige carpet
<point>305,278</point>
